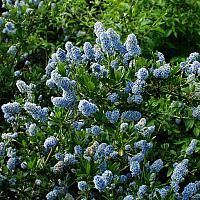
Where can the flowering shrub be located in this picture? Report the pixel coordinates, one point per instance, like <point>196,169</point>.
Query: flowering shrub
<point>114,125</point>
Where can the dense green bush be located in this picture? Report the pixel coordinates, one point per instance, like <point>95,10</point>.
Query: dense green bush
<point>109,125</point>
<point>41,27</point>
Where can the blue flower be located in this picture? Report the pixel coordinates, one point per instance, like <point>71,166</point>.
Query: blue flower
<point>115,41</point>
<point>23,87</point>
<point>96,130</point>
<point>135,99</point>
<point>143,145</point>
<point>193,57</point>
<point>78,125</point>
<point>32,129</point>
<point>89,51</point>
<point>10,109</point>
<point>78,150</point>
<point>192,147</point>
<point>11,163</point>
<point>122,178</point>
<point>98,28</point>
<point>142,191</point>
<point>163,72</point>
<point>180,171</point>
<point>108,150</point>
<point>196,112</point>
<point>82,185</point>
<point>189,191</point>
<point>113,98</point>
<point>76,54</point>
<point>2,149</point>
<point>9,28</point>
<point>105,43</point>
<point>135,168</point>
<point>36,112</point>
<point>87,108</point>
<point>131,115</point>
<point>99,71</point>
<point>52,195</point>
<point>17,73</point>
<point>113,116</point>
<point>142,74</point>
<point>60,54</point>
<point>67,101</point>
<point>132,45</point>
<point>128,87</point>
<point>139,157</point>
<point>114,64</point>
<point>161,58</point>
<point>70,159</point>
<point>163,191</point>
<point>107,176</point>
<point>12,50</point>
<point>123,127</point>
<point>99,56</point>
<point>195,67</point>
<point>50,142</point>
<point>156,166</point>
<point>128,197</point>
<point>59,156</point>
<point>99,183</point>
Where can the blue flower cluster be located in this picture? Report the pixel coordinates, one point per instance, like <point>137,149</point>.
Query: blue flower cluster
<point>143,145</point>
<point>113,116</point>
<point>142,191</point>
<point>78,150</point>
<point>163,72</point>
<point>32,129</point>
<point>138,99</point>
<point>192,147</point>
<point>180,171</point>
<point>191,66</point>
<point>96,130</point>
<point>10,109</point>
<point>135,168</point>
<point>190,190</point>
<point>78,125</point>
<point>161,58</point>
<point>69,159</point>
<point>2,149</point>
<point>196,112</point>
<point>131,115</point>
<point>142,74</point>
<point>101,182</point>
<point>23,87</point>
<point>113,98</point>
<point>36,112</point>
<point>163,191</point>
<point>98,70</point>
<point>9,28</point>
<point>12,50</point>
<point>50,142</point>
<point>156,166</point>
<point>68,98</point>
<point>82,185</point>
<point>87,108</point>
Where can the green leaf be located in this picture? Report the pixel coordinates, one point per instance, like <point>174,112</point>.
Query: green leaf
<point>189,123</point>
<point>196,131</point>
